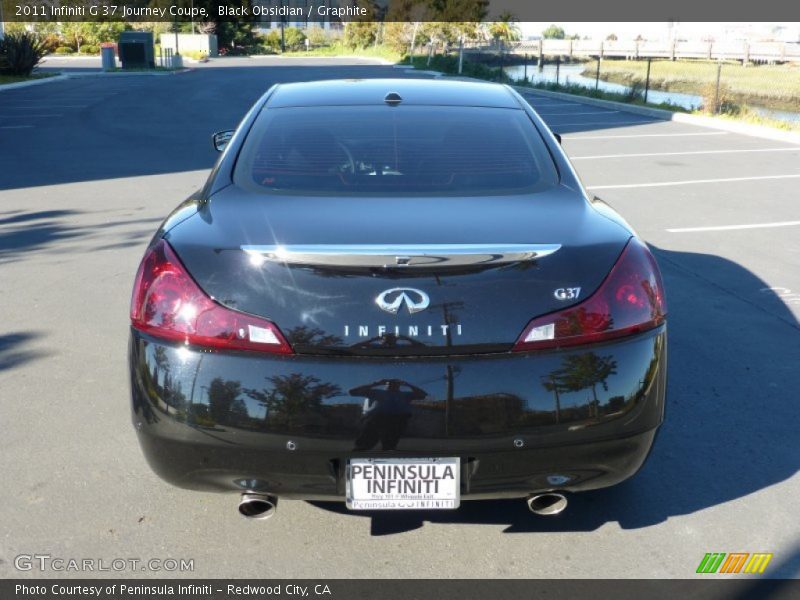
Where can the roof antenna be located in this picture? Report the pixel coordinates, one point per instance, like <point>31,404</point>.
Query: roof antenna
<point>393,99</point>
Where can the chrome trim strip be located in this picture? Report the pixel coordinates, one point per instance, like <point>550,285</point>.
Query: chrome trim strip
<point>401,255</point>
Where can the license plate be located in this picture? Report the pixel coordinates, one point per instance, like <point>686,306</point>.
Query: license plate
<point>403,483</point>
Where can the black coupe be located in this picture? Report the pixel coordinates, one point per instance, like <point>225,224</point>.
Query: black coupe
<point>398,294</point>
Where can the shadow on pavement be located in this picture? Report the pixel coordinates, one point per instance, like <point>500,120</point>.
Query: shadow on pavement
<point>13,352</point>
<point>27,232</point>
<point>730,428</point>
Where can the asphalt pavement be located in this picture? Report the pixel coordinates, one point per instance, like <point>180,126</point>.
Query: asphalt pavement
<point>90,167</point>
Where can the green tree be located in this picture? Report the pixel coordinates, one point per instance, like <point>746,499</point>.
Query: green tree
<point>554,32</point>
<point>360,34</point>
<point>76,33</point>
<point>505,29</point>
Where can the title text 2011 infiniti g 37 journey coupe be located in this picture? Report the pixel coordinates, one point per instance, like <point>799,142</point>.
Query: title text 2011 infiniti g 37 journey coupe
<point>396,293</point>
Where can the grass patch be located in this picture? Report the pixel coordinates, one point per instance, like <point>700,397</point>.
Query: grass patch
<point>633,97</point>
<point>4,79</point>
<point>745,114</point>
<point>770,86</point>
<point>339,49</point>
<point>449,64</point>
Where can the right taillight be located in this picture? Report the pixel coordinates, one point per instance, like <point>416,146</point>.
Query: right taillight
<point>630,300</point>
<point>168,304</point>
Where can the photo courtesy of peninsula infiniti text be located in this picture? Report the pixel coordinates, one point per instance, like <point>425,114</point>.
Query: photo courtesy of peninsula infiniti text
<point>396,294</point>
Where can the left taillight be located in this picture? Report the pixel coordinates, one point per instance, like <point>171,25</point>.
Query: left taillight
<point>168,304</point>
<point>629,301</point>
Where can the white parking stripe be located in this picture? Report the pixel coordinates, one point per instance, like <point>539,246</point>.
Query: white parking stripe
<point>556,104</point>
<point>16,126</point>
<point>22,107</point>
<point>732,227</point>
<point>690,182</point>
<point>638,135</point>
<point>26,116</point>
<point>790,149</point>
<point>609,123</point>
<point>569,114</point>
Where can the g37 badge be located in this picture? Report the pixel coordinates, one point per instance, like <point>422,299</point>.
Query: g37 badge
<point>570,293</point>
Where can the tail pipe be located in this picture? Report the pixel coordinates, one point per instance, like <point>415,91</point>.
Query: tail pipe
<point>550,503</point>
<point>258,506</point>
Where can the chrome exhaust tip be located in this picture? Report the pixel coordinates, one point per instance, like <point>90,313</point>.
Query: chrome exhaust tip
<point>550,503</point>
<point>258,506</point>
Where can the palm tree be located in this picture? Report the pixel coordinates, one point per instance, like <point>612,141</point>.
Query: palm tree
<point>579,372</point>
<point>505,29</point>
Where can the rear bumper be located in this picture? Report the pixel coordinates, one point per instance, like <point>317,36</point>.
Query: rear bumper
<point>288,425</point>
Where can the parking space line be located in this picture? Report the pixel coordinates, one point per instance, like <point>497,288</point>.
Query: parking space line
<point>27,116</point>
<point>16,126</point>
<point>21,107</point>
<point>733,227</point>
<point>568,114</point>
<point>609,123</point>
<point>691,152</point>
<point>556,104</point>
<point>640,135</point>
<point>689,182</point>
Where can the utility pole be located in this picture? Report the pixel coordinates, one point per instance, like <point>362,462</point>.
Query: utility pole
<point>176,33</point>
<point>460,53</point>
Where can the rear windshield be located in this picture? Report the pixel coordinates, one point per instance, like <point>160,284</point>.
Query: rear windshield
<point>379,150</point>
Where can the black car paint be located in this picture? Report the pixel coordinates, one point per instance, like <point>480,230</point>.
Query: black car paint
<point>604,440</point>
<point>223,421</point>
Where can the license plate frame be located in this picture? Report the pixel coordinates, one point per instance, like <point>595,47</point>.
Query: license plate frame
<point>444,496</point>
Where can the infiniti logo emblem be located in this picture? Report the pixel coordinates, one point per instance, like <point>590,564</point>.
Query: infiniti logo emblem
<point>391,300</point>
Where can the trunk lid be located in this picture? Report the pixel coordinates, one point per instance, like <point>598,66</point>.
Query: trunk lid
<point>329,291</point>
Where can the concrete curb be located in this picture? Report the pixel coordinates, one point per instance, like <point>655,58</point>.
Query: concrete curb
<point>89,74</point>
<point>667,115</point>
<point>22,84</point>
<point>86,74</point>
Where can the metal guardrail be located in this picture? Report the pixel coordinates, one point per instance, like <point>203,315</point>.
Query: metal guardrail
<point>743,51</point>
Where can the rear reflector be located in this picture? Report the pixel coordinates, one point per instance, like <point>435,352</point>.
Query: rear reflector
<point>630,300</point>
<point>168,304</point>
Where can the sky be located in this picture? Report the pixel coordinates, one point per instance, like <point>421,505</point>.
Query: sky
<point>685,30</point>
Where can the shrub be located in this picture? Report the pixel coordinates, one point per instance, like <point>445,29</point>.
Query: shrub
<point>52,41</point>
<point>20,53</point>
<point>317,36</point>
<point>64,50</point>
<point>89,49</point>
<point>725,102</point>
<point>635,90</point>
<point>194,54</point>
<point>233,51</point>
<point>272,41</point>
<point>294,38</point>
